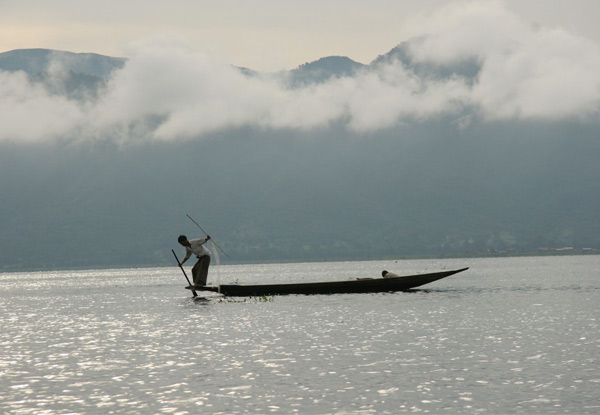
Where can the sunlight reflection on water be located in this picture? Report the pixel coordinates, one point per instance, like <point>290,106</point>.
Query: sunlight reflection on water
<point>513,335</point>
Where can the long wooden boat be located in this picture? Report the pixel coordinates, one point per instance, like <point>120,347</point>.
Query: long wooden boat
<point>363,285</point>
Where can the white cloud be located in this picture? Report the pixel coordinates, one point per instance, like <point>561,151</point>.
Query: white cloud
<point>29,113</point>
<point>527,71</point>
<point>169,91</point>
<point>468,28</point>
<point>549,74</point>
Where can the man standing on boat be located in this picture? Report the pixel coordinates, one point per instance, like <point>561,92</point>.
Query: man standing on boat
<point>196,246</point>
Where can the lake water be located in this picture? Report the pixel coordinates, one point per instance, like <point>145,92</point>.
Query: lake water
<point>510,335</point>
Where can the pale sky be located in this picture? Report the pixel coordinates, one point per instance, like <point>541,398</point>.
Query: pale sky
<point>265,35</point>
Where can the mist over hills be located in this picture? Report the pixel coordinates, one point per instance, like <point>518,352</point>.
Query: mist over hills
<point>451,184</point>
<point>323,70</point>
<point>77,76</point>
<point>42,61</point>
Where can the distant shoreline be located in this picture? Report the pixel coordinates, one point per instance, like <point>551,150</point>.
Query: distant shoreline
<point>552,253</point>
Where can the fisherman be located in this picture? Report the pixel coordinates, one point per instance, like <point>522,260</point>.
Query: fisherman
<point>386,274</point>
<point>196,246</point>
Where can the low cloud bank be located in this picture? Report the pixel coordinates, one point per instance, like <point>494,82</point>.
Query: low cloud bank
<point>167,91</point>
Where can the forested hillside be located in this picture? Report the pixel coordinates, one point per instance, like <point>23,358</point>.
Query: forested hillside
<point>431,186</point>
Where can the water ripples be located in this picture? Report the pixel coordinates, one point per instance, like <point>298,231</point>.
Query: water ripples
<point>133,341</point>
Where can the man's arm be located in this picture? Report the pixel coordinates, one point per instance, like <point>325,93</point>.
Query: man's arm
<point>188,254</point>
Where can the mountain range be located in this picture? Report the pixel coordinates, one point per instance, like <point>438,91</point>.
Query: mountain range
<point>418,188</point>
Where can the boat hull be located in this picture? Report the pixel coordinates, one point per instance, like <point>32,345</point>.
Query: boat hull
<point>375,285</point>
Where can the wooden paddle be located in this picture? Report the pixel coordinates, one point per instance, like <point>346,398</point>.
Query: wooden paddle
<point>186,277</point>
